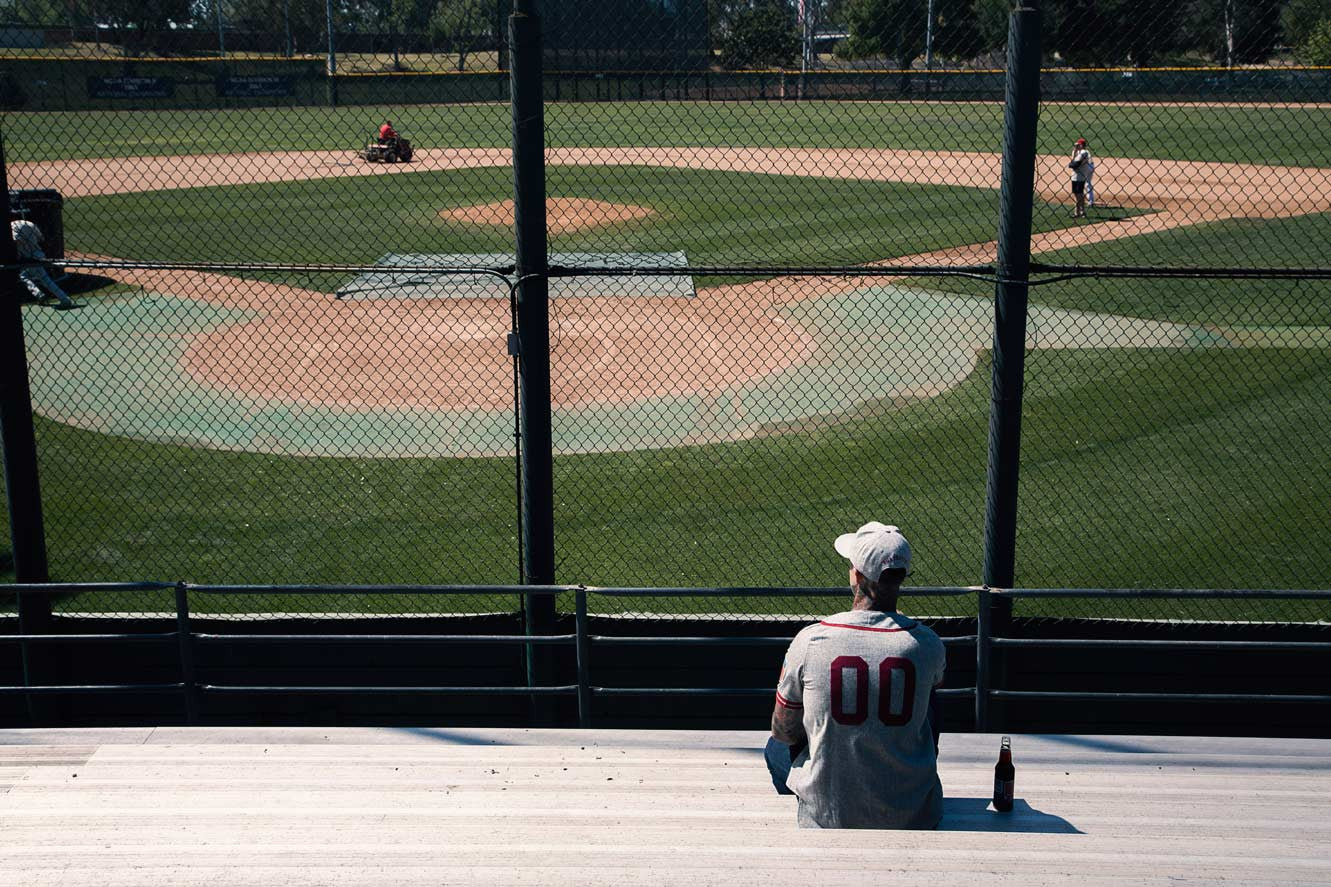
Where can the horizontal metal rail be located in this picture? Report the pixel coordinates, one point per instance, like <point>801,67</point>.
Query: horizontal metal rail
<point>715,640</point>
<point>1322,646</point>
<point>84,587</point>
<point>88,638</point>
<point>731,691</point>
<point>52,588</point>
<point>549,639</point>
<point>464,690</point>
<point>1075,272</point>
<point>49,689</point>
<point>1076,696</point>
<point>765,591</point>
<point>382,589</point>
<point>1311,594</point>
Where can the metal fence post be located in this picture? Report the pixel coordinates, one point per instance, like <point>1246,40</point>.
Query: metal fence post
<point>983,637</point>
<point>26,527</point>
<point>330,70</point>
<point>584,649</point>
<point>23,492</point>
<point>1021,109</point>
<point>185,638</point>
<point>533,338</point>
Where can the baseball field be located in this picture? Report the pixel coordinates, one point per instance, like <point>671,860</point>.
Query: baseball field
<point>269,426</point>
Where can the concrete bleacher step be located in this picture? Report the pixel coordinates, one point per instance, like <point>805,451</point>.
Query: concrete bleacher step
<point>368,806</point>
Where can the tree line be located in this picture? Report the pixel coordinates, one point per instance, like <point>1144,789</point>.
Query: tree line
<point>901,33</point>
<point>746,34</point>
<point>293,27</point>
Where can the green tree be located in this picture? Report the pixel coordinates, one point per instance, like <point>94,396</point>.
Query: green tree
<point>40,12</point>
<point>1301,18</point>
<point>720,18</point>
<point>887,29</point>
<point>462,25</point>
<point>761,36</point>
<point>1115,32</point>
<point>991,23</point>
<point>1316,46</point>
<point>146,22</point>
<point>1237,32</point>
<point>307,18</point>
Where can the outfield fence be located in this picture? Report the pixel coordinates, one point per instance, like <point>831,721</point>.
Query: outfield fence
<point>671,324</point>
<point>56,84</point>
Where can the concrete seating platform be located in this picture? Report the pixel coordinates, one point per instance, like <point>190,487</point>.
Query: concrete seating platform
<point>280,806</point>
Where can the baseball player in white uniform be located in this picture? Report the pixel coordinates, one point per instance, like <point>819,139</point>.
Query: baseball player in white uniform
<point>854,728</point>
<point>1082,168</point>
<point>28,244</point>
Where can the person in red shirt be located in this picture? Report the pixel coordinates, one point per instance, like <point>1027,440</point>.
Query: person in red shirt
<point>387,133</point>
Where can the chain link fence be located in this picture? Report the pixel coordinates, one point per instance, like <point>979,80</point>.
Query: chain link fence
<point>772,246</point>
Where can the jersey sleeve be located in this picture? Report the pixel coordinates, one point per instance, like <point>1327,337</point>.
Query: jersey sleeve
<point>790,687</point>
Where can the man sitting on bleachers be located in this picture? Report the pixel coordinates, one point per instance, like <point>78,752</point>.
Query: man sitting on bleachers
<point>854,728</point>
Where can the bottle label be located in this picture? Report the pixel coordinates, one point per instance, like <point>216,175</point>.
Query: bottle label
<point>1003,789</point>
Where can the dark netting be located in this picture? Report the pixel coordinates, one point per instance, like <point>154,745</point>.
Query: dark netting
<point>772,236</point>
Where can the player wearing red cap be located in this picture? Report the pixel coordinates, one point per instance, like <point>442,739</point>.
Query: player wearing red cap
<point>1082,168</point>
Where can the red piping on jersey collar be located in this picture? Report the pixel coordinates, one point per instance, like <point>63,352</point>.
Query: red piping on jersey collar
<point>860,627</point>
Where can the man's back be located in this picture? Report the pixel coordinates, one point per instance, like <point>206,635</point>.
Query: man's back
<point>862,679</point>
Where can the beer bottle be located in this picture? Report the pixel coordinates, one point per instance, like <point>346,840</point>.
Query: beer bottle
<point>1005,775</point>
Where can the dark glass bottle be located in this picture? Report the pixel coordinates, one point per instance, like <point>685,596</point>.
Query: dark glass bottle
<point>1005,776</point>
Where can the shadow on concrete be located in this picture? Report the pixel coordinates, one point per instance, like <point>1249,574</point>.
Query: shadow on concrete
<point>975,815</point>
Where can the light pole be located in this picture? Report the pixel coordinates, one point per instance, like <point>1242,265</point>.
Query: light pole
<point>929,39</point>
<point>332,55</point>
<point>332,51</point>
<point>221,40</point>
<point>286,21</point>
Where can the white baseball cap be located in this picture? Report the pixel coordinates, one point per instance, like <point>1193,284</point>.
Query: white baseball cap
<point>874,548</point>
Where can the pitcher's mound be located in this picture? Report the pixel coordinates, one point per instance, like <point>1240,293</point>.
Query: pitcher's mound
<point>564,215</point>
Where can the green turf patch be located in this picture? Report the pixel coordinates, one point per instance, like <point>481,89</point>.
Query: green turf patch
<point>1268,135</point>
<point>1295,242</point>
<point>716,218</point>
<point>1262,312</point>
<point>1158,467</point>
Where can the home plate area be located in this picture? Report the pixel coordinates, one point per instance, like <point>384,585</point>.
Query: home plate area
<point>461,276</point>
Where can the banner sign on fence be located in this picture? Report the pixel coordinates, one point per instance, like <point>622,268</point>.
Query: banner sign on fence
<point>256,86</point>
<point>131,87</point>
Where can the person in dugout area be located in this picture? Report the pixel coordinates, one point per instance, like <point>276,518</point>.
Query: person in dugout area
<point>855,726</point>
<point>28,244</point>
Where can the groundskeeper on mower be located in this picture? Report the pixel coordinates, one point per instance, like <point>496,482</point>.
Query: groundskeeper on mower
<point>387,151</point>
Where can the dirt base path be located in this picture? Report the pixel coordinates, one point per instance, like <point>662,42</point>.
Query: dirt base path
<point>730,363</point>
<point>1209,190</point>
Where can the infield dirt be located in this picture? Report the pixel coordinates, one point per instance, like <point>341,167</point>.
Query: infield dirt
<point>306,347</point>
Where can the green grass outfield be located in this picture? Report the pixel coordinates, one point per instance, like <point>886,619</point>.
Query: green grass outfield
<point>716,218</point>
<point>1207,466</point>
<point>1136,452</point>
<point>1267,135</point>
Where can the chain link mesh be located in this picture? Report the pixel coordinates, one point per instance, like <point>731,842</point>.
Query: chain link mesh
<point>771,230</point>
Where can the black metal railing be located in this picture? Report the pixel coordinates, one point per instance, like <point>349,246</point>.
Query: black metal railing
<point>583,641</point>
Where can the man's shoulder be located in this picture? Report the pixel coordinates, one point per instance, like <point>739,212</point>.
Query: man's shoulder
<point>926,636</point>
<point>856,622</point>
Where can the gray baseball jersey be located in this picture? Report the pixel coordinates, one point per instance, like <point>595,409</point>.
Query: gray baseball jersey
<point>862,681</point>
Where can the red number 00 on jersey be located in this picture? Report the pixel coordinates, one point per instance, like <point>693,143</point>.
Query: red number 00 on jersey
<point>892,672</point>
